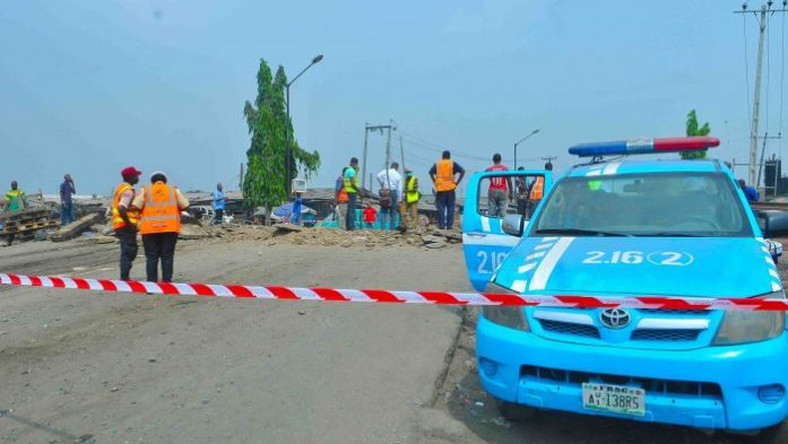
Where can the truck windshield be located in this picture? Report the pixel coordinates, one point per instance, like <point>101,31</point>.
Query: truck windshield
<point>646,204</point>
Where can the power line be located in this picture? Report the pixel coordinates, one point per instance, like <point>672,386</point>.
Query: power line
<point>438,146</point>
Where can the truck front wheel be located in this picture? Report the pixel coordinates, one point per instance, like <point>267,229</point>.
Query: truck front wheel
<point>515,412</point>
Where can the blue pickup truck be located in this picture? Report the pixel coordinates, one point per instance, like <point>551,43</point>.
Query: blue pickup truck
<point>628,227</point>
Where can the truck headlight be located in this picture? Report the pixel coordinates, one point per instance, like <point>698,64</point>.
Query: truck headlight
<point>741,327</point>
<point>507,316</point>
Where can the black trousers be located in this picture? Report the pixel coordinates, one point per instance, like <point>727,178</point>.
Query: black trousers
<point>350,220</point>
<point>128,250</point>
<point>159,246</point>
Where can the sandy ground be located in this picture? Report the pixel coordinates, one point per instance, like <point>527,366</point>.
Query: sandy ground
<point>106,368</point>
<point>92,367</point>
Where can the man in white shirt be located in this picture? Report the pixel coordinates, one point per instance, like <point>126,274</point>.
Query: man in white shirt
<point>390,190</point>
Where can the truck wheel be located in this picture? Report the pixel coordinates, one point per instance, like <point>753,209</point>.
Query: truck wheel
<point>515,412</point>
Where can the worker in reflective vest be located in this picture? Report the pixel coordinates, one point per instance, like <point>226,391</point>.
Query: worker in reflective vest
<point>350,179</point>
<point>160,223</point>
<point>341,200</point>
<point>14,201</point>
<point>412,198</point>
<point>537,191</point>
<point>443,177</point>
<point>125,219</point>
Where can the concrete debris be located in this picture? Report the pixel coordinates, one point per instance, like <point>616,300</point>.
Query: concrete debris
<point>285,234</point>
<point>76,228</point>
<point>288,228</point>
<point>193,232</point>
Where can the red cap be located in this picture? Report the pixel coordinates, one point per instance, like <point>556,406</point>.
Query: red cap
<point>130,172</point>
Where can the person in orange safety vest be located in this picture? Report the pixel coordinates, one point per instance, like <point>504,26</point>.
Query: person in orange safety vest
<point>536,192</point>
<point>443,177</point>
<point>160,223</point>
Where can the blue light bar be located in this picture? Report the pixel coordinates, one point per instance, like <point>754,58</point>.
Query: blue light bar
<point>643,146</point>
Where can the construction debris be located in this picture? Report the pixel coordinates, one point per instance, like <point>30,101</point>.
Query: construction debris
<point>27,221</point>
<point>288,227</point>
<point>76,228</point>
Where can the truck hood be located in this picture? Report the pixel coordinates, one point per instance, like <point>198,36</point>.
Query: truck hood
<point>701,267</point>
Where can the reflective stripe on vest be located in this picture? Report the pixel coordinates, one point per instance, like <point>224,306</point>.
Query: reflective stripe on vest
<point>444,175</point>
<point>537,192</point>
<point>133,215</point>
<point>160,214</point>
<point>411,192</point>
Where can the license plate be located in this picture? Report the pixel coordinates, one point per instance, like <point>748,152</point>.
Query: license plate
<point>614,399</point>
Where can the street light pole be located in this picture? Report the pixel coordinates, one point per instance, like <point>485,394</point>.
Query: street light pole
<point>521,141</point>
<point>288,152</point>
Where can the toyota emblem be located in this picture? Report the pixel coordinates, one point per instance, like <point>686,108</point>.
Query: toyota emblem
<point>615,318</point>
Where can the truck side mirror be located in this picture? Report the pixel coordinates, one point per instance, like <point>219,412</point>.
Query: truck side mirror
<point>513,225</point>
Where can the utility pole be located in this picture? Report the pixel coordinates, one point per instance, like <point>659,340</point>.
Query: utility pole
<point>388,149</point>
<point>241,180</point>
<point>519,142</point>
<point>367,129</point>
<point>402,152</point>
<point>549,159</point>
<point>762,17</point>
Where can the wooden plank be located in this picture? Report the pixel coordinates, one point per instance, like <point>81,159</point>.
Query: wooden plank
<point>76,228</point>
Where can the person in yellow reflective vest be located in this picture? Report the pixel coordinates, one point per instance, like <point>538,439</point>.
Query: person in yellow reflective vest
<point>443,177</point>
<point>15,200</point>
<point>351,188</point>
<point>125,219</point>
<point>410,217</point>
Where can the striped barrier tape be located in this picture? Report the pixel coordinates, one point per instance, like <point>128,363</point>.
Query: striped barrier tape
<point>386,296</point>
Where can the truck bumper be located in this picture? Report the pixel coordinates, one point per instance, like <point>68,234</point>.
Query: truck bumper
<point>739,388</point>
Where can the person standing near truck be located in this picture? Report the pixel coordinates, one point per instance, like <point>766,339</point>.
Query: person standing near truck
<point>500,190</point>
<point>443,177</point>
<point>536,191</point>
<point>522,194</point>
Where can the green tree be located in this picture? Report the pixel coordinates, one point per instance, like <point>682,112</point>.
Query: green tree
<point>264,181</point>
<point>694,129</point>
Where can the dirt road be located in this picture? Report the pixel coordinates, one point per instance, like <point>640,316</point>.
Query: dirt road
<point>79,366</point>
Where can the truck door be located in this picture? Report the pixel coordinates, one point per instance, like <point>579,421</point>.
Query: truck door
<point>484,243</point>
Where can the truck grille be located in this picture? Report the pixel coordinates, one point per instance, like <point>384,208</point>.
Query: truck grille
<point>568,328</point>
<point>670,335</point>
<point>664,386</point>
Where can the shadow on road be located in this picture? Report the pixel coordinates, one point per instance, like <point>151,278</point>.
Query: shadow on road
<point>469,404</point>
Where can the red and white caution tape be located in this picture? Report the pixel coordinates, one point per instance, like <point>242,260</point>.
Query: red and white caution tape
<point>387,296</point>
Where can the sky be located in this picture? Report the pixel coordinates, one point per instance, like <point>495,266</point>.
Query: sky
<point>89,87</point>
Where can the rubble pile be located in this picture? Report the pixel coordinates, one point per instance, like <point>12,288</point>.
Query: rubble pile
<point>328,237</point>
